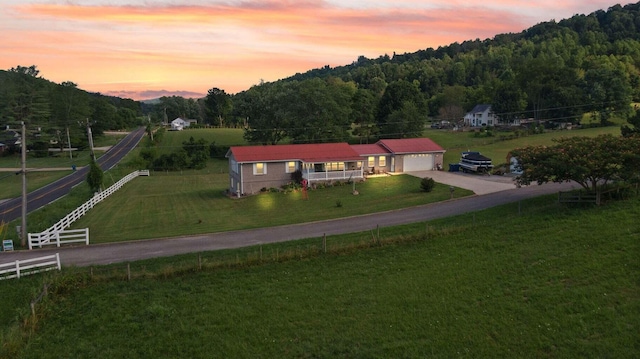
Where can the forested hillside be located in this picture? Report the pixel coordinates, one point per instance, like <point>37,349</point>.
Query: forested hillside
<point>50,109</point>
<point>554,70</point>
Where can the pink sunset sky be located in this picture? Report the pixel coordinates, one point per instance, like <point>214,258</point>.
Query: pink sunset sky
<point>146,49</point>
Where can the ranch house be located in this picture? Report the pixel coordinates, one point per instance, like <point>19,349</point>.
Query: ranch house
<point>252,168</point>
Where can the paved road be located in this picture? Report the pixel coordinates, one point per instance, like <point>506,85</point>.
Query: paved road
<point>137,250</point>
<point>11,209</point>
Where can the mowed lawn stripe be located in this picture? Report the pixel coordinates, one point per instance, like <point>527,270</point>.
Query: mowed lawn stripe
<point>172,205</point>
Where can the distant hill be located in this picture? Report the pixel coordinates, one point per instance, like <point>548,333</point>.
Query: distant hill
<point>553,71</point>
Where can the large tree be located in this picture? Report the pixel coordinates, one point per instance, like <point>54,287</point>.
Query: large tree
<point>395,98</point>
<point>363,115</point>
<point>264,111</point>
<point>592,162</point>
<point>320,111</point>
<point>217,106</point>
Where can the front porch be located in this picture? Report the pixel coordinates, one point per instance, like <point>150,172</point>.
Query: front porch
<point>333,175</point>
<point>332,171</point>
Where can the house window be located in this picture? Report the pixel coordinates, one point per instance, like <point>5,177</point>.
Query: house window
<point>260,168</point>
<point>335,166</point>
<point>359,165</point>
<point>372,161</point>
<point>234,166</point>
<point>291,166</point>
<point>382,161</point>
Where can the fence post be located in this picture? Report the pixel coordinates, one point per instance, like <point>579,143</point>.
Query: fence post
<point>519,208</point>
<point>87,235</point>
<point>58,238</point>
<point>18,268</point>
<point>58,260</point>
<point>324,243</point>
<point>129,272</point>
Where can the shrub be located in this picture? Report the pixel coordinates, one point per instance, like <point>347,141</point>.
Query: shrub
<point>296,177</point>
<point>427,184</point>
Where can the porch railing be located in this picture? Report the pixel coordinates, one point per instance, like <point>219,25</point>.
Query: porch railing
<point>333,175</point>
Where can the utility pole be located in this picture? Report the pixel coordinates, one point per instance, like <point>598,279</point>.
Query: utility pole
<point>93,155</point>
<point>150,128</point>
<point>23,160</point>
<point>69,143</point>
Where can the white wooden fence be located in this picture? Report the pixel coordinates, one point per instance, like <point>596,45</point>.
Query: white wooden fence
<point>59,237</point>
<point>57,232</point>
<point>20,268</point>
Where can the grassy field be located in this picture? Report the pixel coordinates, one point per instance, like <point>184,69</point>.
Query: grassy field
<point>172,140</point>
<point>555,281</point>
<point>496,148</point>
<point>173,204</point>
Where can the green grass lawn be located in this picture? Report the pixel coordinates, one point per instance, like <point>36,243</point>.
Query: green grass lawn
<point>194,202</point>
<point>172,140</point>
<point>555,281</point>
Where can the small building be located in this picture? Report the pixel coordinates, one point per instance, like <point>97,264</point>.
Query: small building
<point>252,168</point>
<point>480,115</point>
<point>180,124</point>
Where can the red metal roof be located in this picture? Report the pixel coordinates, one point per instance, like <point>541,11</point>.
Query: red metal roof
<point>319,152</point>
<point>411,145</point>
<point>372,149</point>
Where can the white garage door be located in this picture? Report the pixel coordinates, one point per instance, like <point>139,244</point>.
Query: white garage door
<point>418,162</point>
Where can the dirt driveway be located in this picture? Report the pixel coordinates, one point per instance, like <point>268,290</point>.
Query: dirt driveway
<point>479,184</point>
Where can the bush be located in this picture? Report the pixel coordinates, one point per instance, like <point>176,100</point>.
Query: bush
<point>427,184</point>
<point>296,177</point>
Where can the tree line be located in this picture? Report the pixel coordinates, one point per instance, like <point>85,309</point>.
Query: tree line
<point>59,113</point>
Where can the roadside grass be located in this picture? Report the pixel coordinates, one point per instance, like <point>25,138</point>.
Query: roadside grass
<point>194,202</point>
<point>546,281</point>
<point>108,139</point>
<point>498,146</point>
<point>172,140</point>
<point>12,184</point>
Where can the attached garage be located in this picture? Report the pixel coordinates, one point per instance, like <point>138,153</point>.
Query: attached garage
<point>417,162</point>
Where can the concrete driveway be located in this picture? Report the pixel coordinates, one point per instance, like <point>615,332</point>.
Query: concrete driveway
<point>479,184</point>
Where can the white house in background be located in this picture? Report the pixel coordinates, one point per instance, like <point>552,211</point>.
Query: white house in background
<point>180,124</point>
<point>480,115</point>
